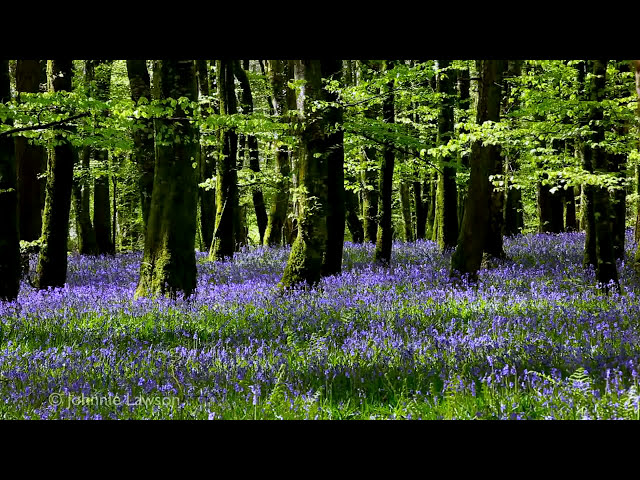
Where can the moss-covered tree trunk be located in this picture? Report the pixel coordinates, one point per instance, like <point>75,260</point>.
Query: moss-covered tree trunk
<point>169,264</point>
<point>252,143</point>
<point>473,235</point>
<point>283,99</point>
<point>447,195</point>
<point>227,205</point>
<point>52,261</point>
<point>382,253</point>
<point>9,233</point>
<point>307,252</point>
<point>143,144</point>
<point>30,160</point>
<point>333,147</point>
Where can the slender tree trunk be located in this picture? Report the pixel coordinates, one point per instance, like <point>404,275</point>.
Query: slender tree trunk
<point>472,240</point>
<point>280,73</point>
<point>227,205</point>
<point>384,239</point>
<point>431,189</point>
<point>52,261</point>
<point>9,233</point>
<point>606,270</point>
<point>307,252</point>
<point>464,100</point>
<point>169,264</point>
<point>143,146</point>
<point>206,168</point>
<point>87,244</point>
<point>636,66</point>
<point>30,160</point>
<point>571,223</point>
<point>353,220</point>
<point>405,202</point>
<point>252,144</point>
<point>447,195</point>
<point>513,216</point>
<point>334,148</point>
<point>421,211</point>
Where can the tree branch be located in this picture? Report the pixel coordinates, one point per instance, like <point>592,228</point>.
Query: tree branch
<point>42,126</point>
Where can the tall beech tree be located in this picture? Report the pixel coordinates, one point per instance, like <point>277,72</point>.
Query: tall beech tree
<point>227,205</point>
<point>606,270</point>
<point>333,147</point>
<point>316,147</point>
<point>9,234</point>
<point>206,164</point>
<point>30,159</point>
<point>447,195</point>
<point>169,265</point>
<point>474,230</point>
<point>384,238</point>
<point>52,261</point>
<point>252,145</point>
<point>283,100</point>
<point>100,72</point>
<point>143,154</point>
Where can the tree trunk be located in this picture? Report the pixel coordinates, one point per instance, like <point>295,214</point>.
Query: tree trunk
<point>447,195</point>
<point>252,143</point>
<point>100,71</point>
<point>52,261</point>
<point>513,208</point>
<point>405,202</point>
<point>206,168</point>
<point>87,244</point>
<point>143,145</point>
<point>227,205</point>
<point>30,160</point>
<point>334,150</point>
<point>307,252</point>
<point>384,239</point>
<point>472,240</point>
<point>9,233</point>
<point>169,263</point>
<point>464,100</point>
<point>606,270</point>
<point>280,73</point>
<point>571,224</point>
<point>353,220</point>
<point>431,187</point>
<point>370,195</point>
<point>421,211</point>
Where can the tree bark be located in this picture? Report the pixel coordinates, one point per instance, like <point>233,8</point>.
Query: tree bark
<point>169,264</point>
<point>384,239</point>
<point>81,193</point>
<point>405,203</point>
<point>52,261</point>
<point>100,71</point>
<point>143,144</point>
<point>227,205</point>
<point>283,99</point>
<point>606,270</point>
<point>464,100</point>
<point>447,195</point>
<point>9,233</point>
<point>30,160</point>
<point>307,252</point>
<point>421,211</point>
<point>334,150</point>
<point>467,257</point>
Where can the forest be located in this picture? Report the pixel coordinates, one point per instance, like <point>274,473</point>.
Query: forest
<point>320,239</point>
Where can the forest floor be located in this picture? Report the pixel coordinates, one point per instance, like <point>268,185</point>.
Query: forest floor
<point>534,339</point>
